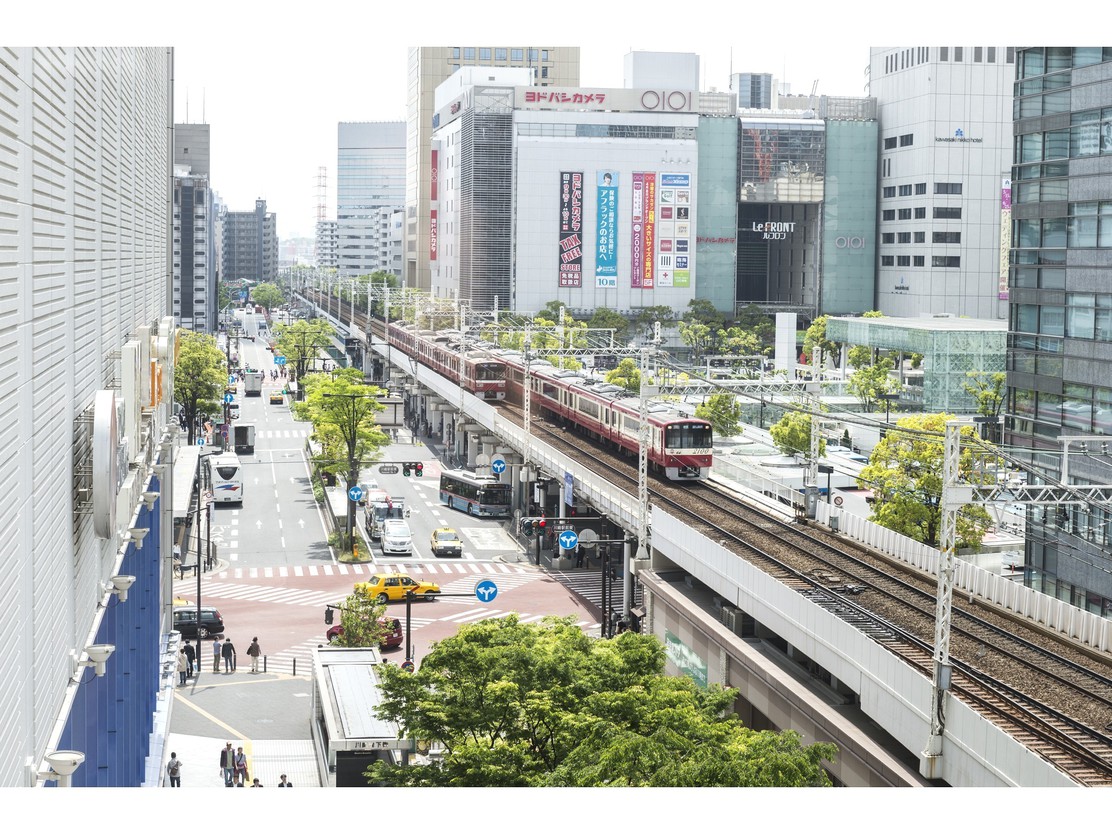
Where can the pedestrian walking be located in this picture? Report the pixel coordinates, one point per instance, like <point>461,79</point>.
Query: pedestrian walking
<point>253,652</point>
<point>190,658</point>
<point>579,557</point>
<point>228,765</point>
<point>173,770</point>
<point>228,652</point>
<point>255,783</point>
<point>216,653</point>
<point>181,666</point>
<point>240,768</point>
<point>283,783</point>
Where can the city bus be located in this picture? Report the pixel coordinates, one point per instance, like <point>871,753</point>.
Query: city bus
<point>226,477</point>
<point>480,495</point>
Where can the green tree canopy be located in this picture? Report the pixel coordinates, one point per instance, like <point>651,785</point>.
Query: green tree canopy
<point>870,383</point>
<point>359,616</point>
<point>604,317</point>
<point>815,337</point>
<point>988,391</point>
<point>302,342</point>
<point>544,705</point>
<point>905,475</point>
<point>792,434</point>
<point>200,376</point>
<point>723,412</point>
<point>697,336</point>
<point>268,295</point>
<point>627,375</point>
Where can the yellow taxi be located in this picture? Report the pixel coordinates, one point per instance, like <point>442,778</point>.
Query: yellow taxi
<point>391,587</point>
<point>276,398</point>
<point>446,542</point>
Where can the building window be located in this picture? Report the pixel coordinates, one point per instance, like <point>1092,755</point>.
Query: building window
<point>949,261</point>
<point>888,237</point>
<point>907,139</point>
<point>904,214</point>
<point>455,52</point>
<point>903,237</point>
<point>887,260</point>
<point>544,54</point>
<point>889,191</point>
<point>1009,55</point>
<point>920,188</point>
<point>517,54</point>
<point>544,72</point>
<point>957,52</point>
<point>991,54</point>
<point>500,54</point>
<point>943,53</point>
<point>947,213</point>
<point>921,213</point>
<point>905,190</point>
<point>919,260</point>
<point>890,143</point>
<point>484,53</point>
<point>888,214</point>
<point>977,54</point>
<point>920,237</point>
<point>945,237</point>
<point>532,54</point>
<point>469,53</point>
<point>947,188</point>
<point>903,260</point>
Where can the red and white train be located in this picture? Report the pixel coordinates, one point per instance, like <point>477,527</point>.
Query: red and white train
<point>680,445</point>
<point>482,376</point>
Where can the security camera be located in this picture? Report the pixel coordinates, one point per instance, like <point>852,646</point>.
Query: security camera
<point>149,498</point>
<point>98,653</point>
<point>62,764</point>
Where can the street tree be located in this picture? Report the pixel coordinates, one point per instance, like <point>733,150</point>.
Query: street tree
<point>604,318</point>
<point>359,617</point>
<point>301,344</point>
<point>342,411</point>
<point>792,434</point>
<point>627,375</point>
<point>870,383</point>
<point>987,389</point>
<point>905,474</point>
<point>815,337</point>
<point>646,317</point>
<point>752,319</point>
<point>200,375</point>
<point>697,336</point>
<point>723,412</point>
<point>268,295</point>
<point>544,705</point>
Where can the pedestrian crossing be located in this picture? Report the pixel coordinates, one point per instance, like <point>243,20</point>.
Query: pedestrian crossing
<point>437,569</point>
<point>587,585</point>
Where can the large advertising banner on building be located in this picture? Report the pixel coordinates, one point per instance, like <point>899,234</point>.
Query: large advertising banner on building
<point>606,247</point>
<point>571,228</point>
<point>435,179</point>
<point>1005,236</point>
<point>637,232</point>
<point>675,231</point>
<point>648,275</point>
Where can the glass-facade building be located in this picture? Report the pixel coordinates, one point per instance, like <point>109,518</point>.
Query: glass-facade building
<point>1060,329</point>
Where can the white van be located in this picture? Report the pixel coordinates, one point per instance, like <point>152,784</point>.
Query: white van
<point>396,537</point>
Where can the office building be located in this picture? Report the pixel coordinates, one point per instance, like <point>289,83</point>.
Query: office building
<point>428,67</point>
<point>194,240</point>
<point>250,245</point>
<point>86,201</point>
<point>945,157</point>
<point>1060,308</point>
<point>370,179</point>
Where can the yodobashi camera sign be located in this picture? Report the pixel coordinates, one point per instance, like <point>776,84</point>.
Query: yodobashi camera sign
<point>774,230</point>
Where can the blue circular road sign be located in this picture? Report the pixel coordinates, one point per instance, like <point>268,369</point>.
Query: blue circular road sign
<point>228,398</point>
<point>200,441</point>
<point>355,493</point>
<point>485,590</point>
<point>568,539</point>
<point>498,466</point>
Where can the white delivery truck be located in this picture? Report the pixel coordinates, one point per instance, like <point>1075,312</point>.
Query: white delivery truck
<point>253,384</point>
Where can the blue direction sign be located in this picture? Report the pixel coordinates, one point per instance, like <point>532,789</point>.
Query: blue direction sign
<point>485,590</point>
<point>231,379</point>
<point>355,493</point>
<point>228,398</point>
<point>568,539</point>
<point>498,466</point>
<point>200,441</point>
<point>279,360</point>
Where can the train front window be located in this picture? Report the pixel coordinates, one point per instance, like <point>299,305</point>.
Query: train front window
<point>490,371</point>
<point>688,436</point>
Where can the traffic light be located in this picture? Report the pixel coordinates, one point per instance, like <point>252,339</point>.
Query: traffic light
<point>541,524</point>
<point>420,469</point>
<point>527,526</point>
<point>328,616</point>
<point>405,468</point>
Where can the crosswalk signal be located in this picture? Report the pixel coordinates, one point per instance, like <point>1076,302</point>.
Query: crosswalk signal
<point>420,469</point>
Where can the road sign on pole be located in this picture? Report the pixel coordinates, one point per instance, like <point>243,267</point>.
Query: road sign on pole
<point>498,465</point>
<point>568,539</point>
<point>485,590</point>
<point>228,398</point>
<point>355,493</point>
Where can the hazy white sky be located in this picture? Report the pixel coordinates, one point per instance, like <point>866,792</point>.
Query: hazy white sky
<point>274,79</point>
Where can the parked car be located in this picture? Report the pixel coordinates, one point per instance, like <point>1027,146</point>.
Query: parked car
<point>185,621</point>
<point>392,640</point>
<point>396,536</point>
<point>391,587</point>
<point>446,542</point>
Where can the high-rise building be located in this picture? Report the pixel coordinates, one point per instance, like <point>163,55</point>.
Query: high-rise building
<point>370,179</point>
<point>87,346</point>
<point>250,245</point>
<point>1060,308</point>
<point>754,89</point>
<point>946,151</point>
<point>429,66</point>
<point>194,244</point>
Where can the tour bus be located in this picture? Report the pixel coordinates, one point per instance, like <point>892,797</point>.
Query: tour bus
<point>226,477</point>
<point>480,495</point>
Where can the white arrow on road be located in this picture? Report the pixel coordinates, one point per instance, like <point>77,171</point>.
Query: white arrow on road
<point>259,525</point>
<point>301,521</point>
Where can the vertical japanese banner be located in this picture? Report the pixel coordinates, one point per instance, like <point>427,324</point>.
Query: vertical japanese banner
<point>435,180</point>
<point>648,280</point>
<point>665,232</point>
<point>606,248</point>
<point>571,229</point>
<point>1005,236</point>
<point>637,233</point>
<point>674,231</point>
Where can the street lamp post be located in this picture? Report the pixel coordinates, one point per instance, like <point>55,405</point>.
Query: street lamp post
<point>888,400</point>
